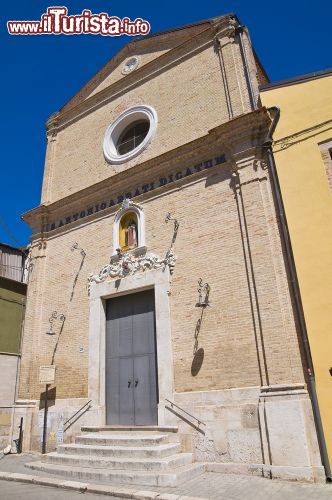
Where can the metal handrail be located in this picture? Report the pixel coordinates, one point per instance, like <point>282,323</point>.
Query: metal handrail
<point>184,411</point>
<point>70,418</point>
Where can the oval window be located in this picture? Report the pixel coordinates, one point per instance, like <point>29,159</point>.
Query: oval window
<point>130,134</point>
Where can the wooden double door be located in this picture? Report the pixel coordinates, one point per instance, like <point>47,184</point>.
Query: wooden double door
<point>131,370</point>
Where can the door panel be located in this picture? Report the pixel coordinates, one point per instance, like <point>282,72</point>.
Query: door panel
<point>143,324</point>
<point>126,389</point>
<point>145,390</point>
<point>112,391</point>
<point>119,312</point>
<point>130,357</point>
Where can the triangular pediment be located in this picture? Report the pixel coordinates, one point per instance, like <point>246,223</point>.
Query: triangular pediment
<point>145,49</point>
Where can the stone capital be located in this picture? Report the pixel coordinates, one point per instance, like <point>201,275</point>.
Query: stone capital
<point>52,126</point>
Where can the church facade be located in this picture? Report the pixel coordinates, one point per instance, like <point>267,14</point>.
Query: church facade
<point>158,287</point>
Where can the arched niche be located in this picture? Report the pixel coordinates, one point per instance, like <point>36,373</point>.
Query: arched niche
<point>128,228</point>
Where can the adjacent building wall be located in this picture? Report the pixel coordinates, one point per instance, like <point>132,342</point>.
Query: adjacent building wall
<point>12,305</point>
<point>301,150</point>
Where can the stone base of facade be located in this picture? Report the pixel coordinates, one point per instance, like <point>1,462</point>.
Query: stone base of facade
<point>305,474</point>
<point>57,429</point>
<point>266,431</point>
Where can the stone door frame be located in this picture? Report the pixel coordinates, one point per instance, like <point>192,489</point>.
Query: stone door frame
<point>159,281</point>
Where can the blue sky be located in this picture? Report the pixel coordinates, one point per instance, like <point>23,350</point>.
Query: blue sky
<point>40,73</point>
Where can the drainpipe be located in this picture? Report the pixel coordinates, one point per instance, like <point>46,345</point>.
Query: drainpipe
<point>275,113</point>
<point>240,29</point>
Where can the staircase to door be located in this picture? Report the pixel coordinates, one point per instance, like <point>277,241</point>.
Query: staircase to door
<point>148,456</point>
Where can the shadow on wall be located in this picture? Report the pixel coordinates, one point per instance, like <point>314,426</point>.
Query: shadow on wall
<point>83,254</point>
<point>235,185</point>
<point>198,353</point>
<point>234,181</point>
<point>197,362</point>
<point>51,397</point>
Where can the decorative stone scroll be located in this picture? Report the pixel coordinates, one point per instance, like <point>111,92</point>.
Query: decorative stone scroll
<point>128,264</point>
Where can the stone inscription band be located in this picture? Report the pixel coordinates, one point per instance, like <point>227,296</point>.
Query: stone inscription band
<point>163,181</point>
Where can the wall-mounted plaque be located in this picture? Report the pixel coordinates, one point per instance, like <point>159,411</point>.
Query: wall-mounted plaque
<point>47,374</point>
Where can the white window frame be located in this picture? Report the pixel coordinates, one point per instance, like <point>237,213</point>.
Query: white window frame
<point>117,127</point>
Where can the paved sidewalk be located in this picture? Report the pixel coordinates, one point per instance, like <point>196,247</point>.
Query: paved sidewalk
<point>16,491</point>
<point>209,485</point>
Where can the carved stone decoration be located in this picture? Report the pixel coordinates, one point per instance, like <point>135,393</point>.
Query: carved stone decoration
<point>52,126</point>
<point>128,264</point>
<point>127,203</point>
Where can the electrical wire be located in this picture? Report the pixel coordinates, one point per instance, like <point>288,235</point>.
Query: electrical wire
<point>11,234</point>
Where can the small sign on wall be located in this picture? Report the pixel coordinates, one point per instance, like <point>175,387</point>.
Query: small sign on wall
<point>40,420</point>
<point>47,374</point>
<point>59,436</point>
<point>52,437</point>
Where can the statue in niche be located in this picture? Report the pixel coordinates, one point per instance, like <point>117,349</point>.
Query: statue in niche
<point>128,231</point>
<point>131,240</point>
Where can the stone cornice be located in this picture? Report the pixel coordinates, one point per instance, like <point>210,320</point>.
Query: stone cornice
<point>243,132</point>
<point>233,137</point>
<point>144,73</point>
<point>52,125</point>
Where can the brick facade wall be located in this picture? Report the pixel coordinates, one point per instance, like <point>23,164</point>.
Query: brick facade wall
<point>228,236</point>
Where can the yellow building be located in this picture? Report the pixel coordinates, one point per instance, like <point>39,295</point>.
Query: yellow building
<point>302,148</point>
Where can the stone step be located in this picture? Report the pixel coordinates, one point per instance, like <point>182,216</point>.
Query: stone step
<point>121,439</point>
<point>118,463</point>
<point>170,478</point>
<point>159,450</point>
<point>130,428</point>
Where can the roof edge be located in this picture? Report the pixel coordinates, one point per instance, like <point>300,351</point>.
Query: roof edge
<point>18,249</point>
<point>127,47</point>
<point>209,20</point>
<point>297,79</point>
